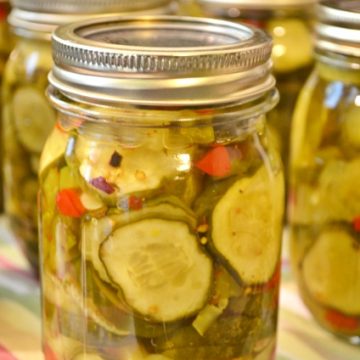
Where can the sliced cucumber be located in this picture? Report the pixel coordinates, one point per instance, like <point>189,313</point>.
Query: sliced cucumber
<point>94,232</point>
<point>141,169</point>
<point>88,356</point>
<point>331,271</point>
<point>64,347</point>
<point>54,148</point>
<point>350,127</point>
<point>159,267</point>
<point>306,135</point>
<point>68,295</point>
<point>33,117</point>
<point>292,48</point>
<point>246,226</point>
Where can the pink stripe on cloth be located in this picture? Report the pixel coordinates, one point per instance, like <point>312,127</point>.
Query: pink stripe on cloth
<point>7,265</point>
<point>5,355</point>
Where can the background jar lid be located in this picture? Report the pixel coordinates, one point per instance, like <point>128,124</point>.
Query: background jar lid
<point>255,4</point>
<point>85,6</point>
<point>30,18</point>
<point>338,27</point>
<point>161,60</point>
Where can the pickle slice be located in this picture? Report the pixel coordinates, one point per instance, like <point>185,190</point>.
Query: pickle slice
<point>95,231</point>
<point>54,148</point>
<point>87,356</point>
<point>159,267</point>
<point>140,169</point>
<point>350,129</point>
<point>292,44</point>
<point>33,116</point>
<point>67,295</point>
<point>306,135</point>
<point>246,226</point>
<point>331,271</point>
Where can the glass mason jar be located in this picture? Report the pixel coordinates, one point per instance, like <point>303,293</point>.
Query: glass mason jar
<point>161,193</point>
<point>324,201</point>
<point>28,117</point>
<point>289,22</point>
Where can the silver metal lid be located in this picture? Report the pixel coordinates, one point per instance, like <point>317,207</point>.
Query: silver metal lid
<point>39,18</point>
<point>338,28</point>
<point>255,4</point>
<point>162,60</point>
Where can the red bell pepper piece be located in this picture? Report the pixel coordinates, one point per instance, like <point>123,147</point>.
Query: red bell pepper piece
<point>48,353</point>
<point>69,204</point>
<point>356,223</point>
<point>341,321</point>
<point>216,162</point>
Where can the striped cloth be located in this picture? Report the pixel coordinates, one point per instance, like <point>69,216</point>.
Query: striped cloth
<point>299,338</point>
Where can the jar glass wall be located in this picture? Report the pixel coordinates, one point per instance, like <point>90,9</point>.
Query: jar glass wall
<point>27,121</point>
<point>160,239</point>
<point>324,203</point>
<point>324,198</point>
<point>161,210</point>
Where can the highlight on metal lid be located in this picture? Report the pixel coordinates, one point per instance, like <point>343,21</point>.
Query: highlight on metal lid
<point>338,27</point>
<point>85,6</point>
<point>256,4</point>
<point>30,18</point>
<point>163,60</point>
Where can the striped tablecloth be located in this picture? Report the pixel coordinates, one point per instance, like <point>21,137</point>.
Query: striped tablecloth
<point>299,338</point>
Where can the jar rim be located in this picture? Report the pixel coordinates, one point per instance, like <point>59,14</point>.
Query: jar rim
<point>167,60</point>
<point>337,28</point>
<point>256,4</point>
<point>41,24</point>
<point>86,6</point>
<point>153,115</point>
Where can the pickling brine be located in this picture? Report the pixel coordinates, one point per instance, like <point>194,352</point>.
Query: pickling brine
<point>324,201</point>
<point>160,217</point>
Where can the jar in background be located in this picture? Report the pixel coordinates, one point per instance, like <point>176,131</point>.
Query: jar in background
<point>161,193</point>
<point>289,22</point>
<point>28,117</point>
<point>189,7</point>
<point>5,48</point>
<point>324,201</point>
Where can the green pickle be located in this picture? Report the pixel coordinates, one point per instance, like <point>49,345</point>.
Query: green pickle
<point>324,197</point>
<point>160,231</point>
